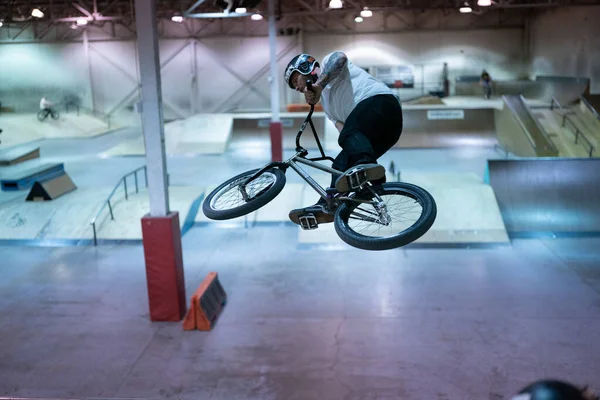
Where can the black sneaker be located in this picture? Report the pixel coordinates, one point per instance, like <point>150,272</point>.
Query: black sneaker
<point>355,176</point>
<point>320,212</point>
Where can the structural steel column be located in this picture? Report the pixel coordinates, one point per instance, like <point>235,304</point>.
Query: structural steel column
<point>152,110</point>
<point>275,128</point>
<point>161,233</point>
<point>194,79</point>
<point>86,52</point>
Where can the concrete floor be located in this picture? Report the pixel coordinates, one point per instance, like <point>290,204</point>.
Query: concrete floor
<point>301,322</point>
<point>314,324</point>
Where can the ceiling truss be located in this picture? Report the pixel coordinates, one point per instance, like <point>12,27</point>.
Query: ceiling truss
<point>115,18</point>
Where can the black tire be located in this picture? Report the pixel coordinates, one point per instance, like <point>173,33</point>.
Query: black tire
<point>264,196</point>
<point>55,114</point>
<point>398,239</point>
<point>41,115</point>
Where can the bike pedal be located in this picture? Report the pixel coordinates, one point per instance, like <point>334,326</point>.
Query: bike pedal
<point>308,222</point>
<point>357,179</point>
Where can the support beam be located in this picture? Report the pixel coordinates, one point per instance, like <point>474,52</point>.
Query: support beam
<point>42,34</point>
<point>317,23</point>
<point>22,30</point>
<point>218,15</point>
<point>83,10</point>
<point>152,109</point>
<point>86,52</point>
<point>275,128</point>
<point>98,18</point>
<point>161,235</point>
<point>192,8</point>
<point>261,72</point>
<point>236,75</point>
<point>108,7</point>
<point>305,4</point>
<point>194,79</point>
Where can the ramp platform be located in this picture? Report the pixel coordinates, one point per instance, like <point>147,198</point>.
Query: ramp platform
<point>24,176</point>
<point>18,155</point>
<point>557,196</point>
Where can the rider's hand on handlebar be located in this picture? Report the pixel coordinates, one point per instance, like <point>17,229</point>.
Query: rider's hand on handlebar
<point>313,95</point>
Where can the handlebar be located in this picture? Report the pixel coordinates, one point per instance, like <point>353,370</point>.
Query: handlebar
<point>308,119</point>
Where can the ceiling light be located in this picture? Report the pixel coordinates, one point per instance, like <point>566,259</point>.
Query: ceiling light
<point>177,18</point>
<point>241,10</point>
<point>82,21</point>
<point>465,9</point>
<point>366,13</point>
<point>358,19</point>
<point>37,13</point>
<point>0,23</point>
<point>335,4</point>
<point>256,17</point>
<point>73,26</point>
<point>484,3</point>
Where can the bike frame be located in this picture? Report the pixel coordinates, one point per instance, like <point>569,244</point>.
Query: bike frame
<point>300,158</point>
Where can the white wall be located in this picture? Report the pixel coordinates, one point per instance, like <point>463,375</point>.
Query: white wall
<point>30,71</point>
<point>565,41</point>
<point>224,69</point>
<point>225,64</point>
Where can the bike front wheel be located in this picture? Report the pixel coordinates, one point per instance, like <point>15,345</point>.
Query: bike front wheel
<point>397,215</point>
<point>227,200</point>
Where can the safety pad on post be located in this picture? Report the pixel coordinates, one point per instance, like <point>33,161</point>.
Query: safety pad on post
<point>206,304</point>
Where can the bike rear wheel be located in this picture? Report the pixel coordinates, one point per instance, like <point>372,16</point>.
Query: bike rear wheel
<point>405,213</point>
<point>227,200</point>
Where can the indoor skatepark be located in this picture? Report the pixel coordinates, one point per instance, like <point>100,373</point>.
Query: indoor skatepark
<point>509,264</point>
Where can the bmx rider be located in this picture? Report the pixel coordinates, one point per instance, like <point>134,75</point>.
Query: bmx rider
<point>365,111</point>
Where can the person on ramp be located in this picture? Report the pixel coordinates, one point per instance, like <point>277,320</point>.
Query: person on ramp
<point>365,112</point>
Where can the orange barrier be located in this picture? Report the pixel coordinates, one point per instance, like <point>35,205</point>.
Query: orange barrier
<point>303,107</point>
<point>206,304</point>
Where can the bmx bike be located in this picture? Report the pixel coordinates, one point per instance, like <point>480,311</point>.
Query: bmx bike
<point>43,114</point>
<point>368,216</point>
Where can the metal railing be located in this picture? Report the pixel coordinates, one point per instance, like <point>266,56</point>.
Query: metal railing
<point>95,113</point>
<point>514,112</point>
<point>549,143</point>
<point>566,118</point>
<point>123,181</point>
<point>589,106</point>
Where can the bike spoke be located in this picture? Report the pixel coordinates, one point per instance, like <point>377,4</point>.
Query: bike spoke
<point>231,196</point>
<point>403,211</point>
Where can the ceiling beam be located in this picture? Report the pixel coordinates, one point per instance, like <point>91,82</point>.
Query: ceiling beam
<point>83,10</point>
<point>192,8</point>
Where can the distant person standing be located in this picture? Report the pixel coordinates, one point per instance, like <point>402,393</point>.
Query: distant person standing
<point>486,83</point>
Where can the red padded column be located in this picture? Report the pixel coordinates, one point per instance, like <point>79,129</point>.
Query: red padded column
<point>276,133</point>
<point>164,267</point>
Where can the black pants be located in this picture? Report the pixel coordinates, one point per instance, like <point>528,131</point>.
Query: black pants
<point>372,128</point>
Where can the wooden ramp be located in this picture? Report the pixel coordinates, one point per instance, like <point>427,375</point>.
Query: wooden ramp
<point>562,136</point>
<point>200,134</point>
<point>23,176</point>
<point>468,213</point>
<point>18,155</point>
<point>25,128</point>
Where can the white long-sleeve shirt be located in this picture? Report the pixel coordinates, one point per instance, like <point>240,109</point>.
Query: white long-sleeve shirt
<point>349,88</point>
